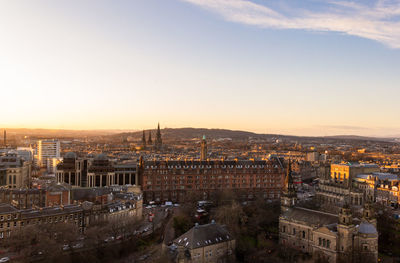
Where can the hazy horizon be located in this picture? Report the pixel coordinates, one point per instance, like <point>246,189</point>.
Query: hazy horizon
<point>116,130</point>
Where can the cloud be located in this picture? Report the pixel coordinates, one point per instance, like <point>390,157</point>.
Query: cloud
<point>379,21</point>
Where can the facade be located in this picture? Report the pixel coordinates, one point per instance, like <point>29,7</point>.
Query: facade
<point>337,188</point>
<point>18,171</point>
<point>172,180</point>
<point>47,150</point>
<point>12,219</point>
<point>325,236</point>
<point>380,187</point>
<point>51,195</point>
<point>23,198</point>
<point>72,170</point>
<point>99,172</point>
<point>205,244</point>
<point>83,215</point>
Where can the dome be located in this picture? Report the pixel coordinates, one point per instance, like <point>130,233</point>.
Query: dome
<point>70,155</point>
<point>366,228</point>
<point>101,156</point>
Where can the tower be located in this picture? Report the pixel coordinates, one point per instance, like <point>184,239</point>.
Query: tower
<point>144,140</point>
<point>149,141</point>
<point>5,138</point>
<point>289,195</point>
<point>203,150</point>
<point>346,232</point>
<point>369,214</point>
<point>158,142</point>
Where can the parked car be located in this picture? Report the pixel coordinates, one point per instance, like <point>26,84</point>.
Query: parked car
<point>65,248</point>
<point>109,239</point>
<point>4,259</point>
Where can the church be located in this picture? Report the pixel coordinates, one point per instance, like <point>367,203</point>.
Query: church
<point>325,236</point>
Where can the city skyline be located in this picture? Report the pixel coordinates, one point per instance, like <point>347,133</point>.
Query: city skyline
<point>277,67</point>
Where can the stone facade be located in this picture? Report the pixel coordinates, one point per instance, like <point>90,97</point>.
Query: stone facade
<point>325,236</point>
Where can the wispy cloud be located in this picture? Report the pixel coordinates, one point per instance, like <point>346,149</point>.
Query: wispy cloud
<point>379,20</point>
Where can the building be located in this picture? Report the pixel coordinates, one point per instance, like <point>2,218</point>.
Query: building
<point>23,198</point>
<point>12,219</point>
<point>47,150</point>
<point>72,170</point>
<point>380,187</point>
<point>99,172</point>
<point>204,244</point>
<point>336,188</point>
<point>126,173</point>
<point>18,171</point>
<point>171,180</point>
<point>325,236</point>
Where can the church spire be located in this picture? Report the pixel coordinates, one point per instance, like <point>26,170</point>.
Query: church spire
<point>144,140</point>
<point>289,195</point>
<point>158,142</point>
<point>203,149</point>
<point>150,141</point>
<point>289,185</point>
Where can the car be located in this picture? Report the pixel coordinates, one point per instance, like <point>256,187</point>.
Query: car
<point>65,247</point>
<point>109,239</point>
<point>78,245</point>
<point>144,257</point>
<point>148,207</point>
<point>119,237</point>
<point>176,205</point>
<point>4,259</point>
<point>153,206</point>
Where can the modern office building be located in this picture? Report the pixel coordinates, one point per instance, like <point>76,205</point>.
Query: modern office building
<point>47,151</point>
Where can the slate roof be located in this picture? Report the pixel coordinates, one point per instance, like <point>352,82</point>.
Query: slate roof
<point>366,228</point>
<point>6,208</point>
<point>310,217</point>
<point>204,235</point>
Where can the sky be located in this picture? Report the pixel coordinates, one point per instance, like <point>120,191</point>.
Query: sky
<point>312,67</point>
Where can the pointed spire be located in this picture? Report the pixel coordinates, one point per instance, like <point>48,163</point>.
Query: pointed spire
<point>150,141</point>
<point>144,140</point>
<point>289,186</point>
<point>158,142</point>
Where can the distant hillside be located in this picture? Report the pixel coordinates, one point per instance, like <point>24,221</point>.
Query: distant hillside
<point>57,133</point>
<point>190,133</point>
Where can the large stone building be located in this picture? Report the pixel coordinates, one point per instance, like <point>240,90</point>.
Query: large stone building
<point>17,171</point>
<point>172,180</point>
<point>97,172</point>
<point>204,244</point>
<point>337,188</point>
<point>325,236</point>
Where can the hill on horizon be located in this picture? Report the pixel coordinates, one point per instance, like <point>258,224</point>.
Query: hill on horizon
<point>190,133</point>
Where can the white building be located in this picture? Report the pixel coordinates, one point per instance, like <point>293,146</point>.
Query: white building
<point>47,150</point>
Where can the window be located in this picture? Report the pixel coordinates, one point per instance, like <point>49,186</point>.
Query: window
<point>294,231</point>
<point>319,241</point>
<point>304,234</point>
<point>328,243</point>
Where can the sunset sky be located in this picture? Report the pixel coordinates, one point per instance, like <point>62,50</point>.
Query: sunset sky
<point>311,67</point>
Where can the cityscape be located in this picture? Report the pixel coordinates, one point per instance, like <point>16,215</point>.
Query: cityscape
<point>210,131</point>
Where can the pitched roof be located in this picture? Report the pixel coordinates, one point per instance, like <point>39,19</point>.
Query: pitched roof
<point>204,235</point>
<point>311,217</point>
